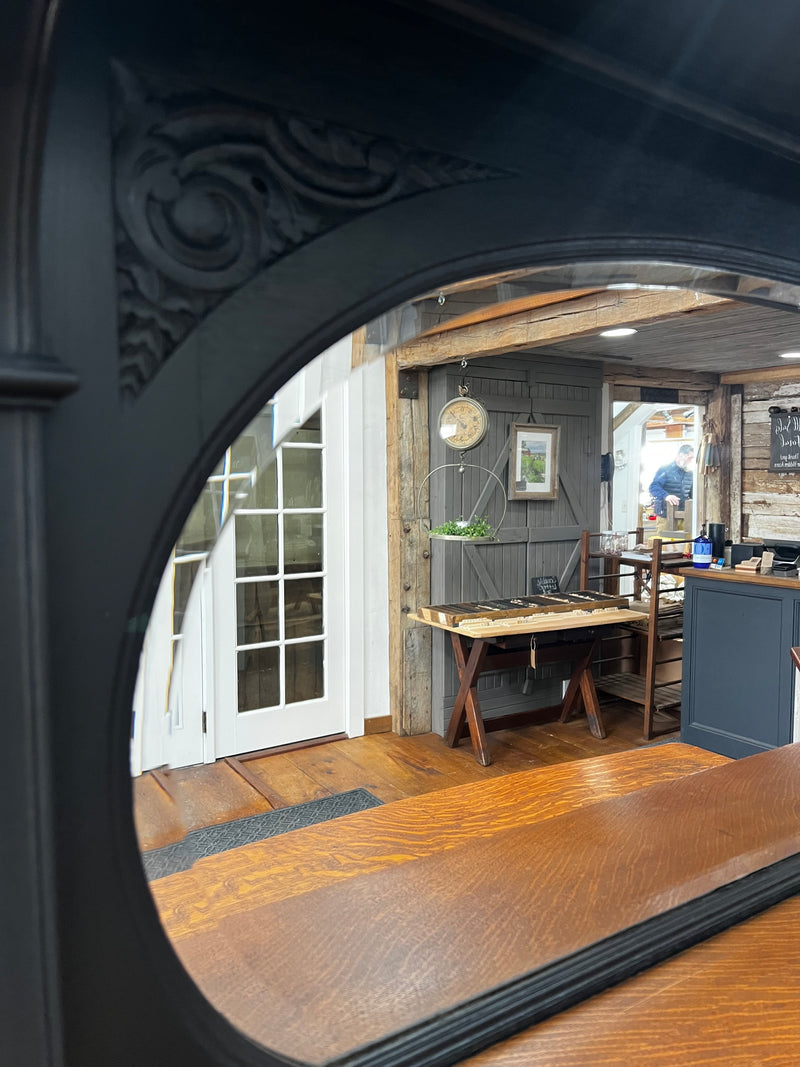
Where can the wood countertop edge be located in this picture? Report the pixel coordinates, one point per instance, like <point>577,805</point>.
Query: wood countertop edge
<point>729,575</point>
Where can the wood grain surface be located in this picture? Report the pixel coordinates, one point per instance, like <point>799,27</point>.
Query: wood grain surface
<point>333,936</point>
<point>732,1001</point>
<point>566,620</point>
<point>406,830</point>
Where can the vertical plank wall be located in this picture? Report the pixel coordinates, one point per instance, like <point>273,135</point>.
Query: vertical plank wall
<point>535,538</point>
<point>770,500</point>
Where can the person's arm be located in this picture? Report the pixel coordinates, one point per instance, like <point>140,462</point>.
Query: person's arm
<point>659,493</point>
<point>657,490</point>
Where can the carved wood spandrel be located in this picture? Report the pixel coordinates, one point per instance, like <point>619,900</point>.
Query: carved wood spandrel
<point>209,190</point>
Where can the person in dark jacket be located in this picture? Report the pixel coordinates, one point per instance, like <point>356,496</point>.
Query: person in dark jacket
<point>672,483</point>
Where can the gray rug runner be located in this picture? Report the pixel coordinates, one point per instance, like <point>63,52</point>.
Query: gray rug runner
<point>208,841</point>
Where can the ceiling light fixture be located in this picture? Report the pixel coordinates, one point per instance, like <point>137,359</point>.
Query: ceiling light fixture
<point>790,355</point>
<point>641,285</point>
<point>621,331</point>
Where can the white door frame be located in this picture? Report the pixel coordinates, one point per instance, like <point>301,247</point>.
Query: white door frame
<point>166,716</point>
<point>237,732</point>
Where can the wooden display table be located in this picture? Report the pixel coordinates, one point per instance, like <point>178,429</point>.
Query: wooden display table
<point>483,646</point>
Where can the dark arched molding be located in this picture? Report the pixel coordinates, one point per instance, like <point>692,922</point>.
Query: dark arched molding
<point>210,190</point>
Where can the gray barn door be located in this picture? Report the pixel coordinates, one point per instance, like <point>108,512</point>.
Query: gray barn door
<point>536,538</point>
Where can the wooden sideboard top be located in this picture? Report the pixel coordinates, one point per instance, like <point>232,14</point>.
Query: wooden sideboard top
<point>730,575</point>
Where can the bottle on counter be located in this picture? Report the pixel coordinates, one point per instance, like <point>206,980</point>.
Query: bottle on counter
<point>701,554</point>
<point>727,552</point>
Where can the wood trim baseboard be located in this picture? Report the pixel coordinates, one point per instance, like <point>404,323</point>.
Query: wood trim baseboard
<point>381,724</point>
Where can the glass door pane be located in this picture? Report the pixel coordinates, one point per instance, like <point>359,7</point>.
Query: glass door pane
<point>280,579</point>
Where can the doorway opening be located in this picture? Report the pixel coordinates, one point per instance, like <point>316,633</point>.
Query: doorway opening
<point>646,439</point>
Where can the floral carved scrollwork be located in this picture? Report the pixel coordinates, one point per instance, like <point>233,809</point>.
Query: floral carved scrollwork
<point>208,192</point>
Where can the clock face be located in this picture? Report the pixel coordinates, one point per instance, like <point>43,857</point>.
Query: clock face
<point>463,423</point>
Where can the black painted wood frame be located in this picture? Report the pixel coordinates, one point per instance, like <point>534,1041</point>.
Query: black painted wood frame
<point>196,199</point>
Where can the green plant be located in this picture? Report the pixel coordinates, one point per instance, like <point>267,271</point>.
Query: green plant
<point>460,528</point>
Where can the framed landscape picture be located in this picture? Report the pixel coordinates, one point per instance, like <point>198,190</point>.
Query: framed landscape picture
<point>533,462</point>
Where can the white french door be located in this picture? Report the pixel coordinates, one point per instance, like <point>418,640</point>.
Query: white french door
<point>278,586</point>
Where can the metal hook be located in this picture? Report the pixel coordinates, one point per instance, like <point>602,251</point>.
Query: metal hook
<point>463,389</point>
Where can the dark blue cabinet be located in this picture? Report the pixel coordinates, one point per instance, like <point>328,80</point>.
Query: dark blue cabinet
<point>738,678</point>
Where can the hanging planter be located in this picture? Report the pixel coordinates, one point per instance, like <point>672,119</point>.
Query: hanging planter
<point>459,530</point>
<point>475,530</point>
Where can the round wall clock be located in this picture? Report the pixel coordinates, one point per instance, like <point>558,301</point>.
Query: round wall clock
<point>463,423</point>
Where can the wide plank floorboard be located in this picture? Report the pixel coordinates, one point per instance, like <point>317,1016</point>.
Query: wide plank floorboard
<point>170,803</point>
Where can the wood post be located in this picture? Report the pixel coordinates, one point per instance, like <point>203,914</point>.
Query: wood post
<point>735,511</point>
<point>716,497</point>
<point>407,461</point>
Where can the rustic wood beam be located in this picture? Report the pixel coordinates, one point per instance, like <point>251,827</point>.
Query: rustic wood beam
<point>623,374</point>
<point>510,307</point>
<point>567,320</point>
<point>717,483</point>
<point>407,460</point>
<point>624,415</point>
<point>735,523</point>
<point>789,373</point>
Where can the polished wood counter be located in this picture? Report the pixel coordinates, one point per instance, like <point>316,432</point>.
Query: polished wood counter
<point>729,1002</point>
<point>329,938</point>
<point>404,831</point>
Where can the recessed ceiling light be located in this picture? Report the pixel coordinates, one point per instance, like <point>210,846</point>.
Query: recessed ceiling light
<point>790,355</point>
<point>641,285</point>
<point>621,331</point>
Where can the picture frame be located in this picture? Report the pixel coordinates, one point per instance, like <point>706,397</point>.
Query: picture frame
<point>533,461</point>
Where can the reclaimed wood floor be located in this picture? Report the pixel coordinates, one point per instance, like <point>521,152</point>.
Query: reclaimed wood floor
<point>169,803</point>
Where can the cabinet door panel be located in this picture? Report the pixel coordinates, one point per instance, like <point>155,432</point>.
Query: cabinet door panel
<point>732,692</point>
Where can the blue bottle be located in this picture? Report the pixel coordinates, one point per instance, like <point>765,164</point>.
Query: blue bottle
<point>701,553</point>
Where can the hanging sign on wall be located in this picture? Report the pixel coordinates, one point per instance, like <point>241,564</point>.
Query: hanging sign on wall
<point>784,441</point>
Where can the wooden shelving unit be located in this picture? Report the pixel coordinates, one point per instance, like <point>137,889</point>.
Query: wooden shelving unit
<point>657,625</point>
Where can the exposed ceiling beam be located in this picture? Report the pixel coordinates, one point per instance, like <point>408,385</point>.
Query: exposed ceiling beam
<point>624,415</point>
<point>617,374</point>
<point>510,307</point>
<point>789,373</point>
<point>554,324</point>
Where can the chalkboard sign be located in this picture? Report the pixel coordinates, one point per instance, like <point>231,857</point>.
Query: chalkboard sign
<point>784,441</point>
<point>547,584</point>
